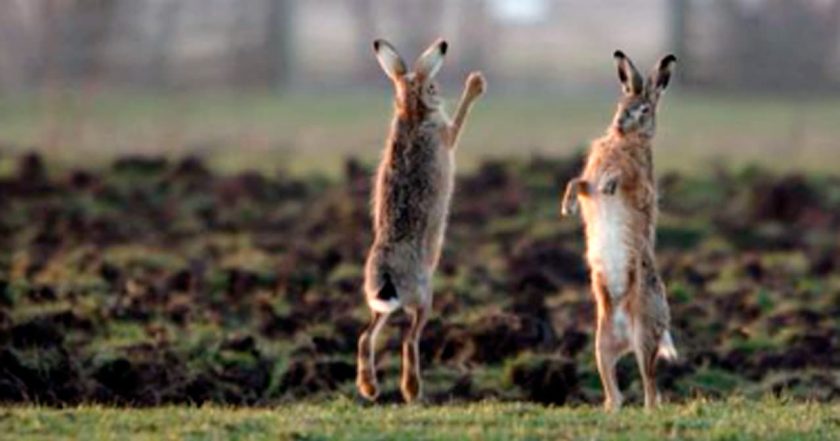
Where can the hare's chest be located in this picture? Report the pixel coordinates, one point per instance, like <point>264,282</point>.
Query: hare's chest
<point>608,241</point>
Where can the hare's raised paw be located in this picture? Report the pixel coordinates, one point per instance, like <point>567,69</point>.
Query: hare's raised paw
<point>476,84</point>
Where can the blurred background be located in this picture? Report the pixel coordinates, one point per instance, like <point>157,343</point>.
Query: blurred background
<point>242,81</point>
<point>184,196</point>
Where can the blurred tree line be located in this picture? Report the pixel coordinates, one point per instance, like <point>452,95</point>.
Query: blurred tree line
<point>758,44</point>
<point>779,45</point>
<point>142,42</point>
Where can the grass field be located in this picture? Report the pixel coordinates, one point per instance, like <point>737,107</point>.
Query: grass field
<point>315,131</point>
<point>735,419</point>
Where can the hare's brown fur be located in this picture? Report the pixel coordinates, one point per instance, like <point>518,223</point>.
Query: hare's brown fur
<point>411,198</point>
<point>618,202</point>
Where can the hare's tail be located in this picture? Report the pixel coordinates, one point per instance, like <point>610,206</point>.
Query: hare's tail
<point>667,350</point>
<point>386,300</point>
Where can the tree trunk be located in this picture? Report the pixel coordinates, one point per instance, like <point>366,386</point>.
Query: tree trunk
<point>678,28</point>
<point>280,43</point>
<point>365,23</point>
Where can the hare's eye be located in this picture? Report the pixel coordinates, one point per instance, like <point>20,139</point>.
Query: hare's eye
<point>645,109</point>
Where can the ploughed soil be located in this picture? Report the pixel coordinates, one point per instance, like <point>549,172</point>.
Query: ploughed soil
<point>158,281</point>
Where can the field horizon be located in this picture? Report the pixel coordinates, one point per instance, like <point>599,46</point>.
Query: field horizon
<point>315,131</point>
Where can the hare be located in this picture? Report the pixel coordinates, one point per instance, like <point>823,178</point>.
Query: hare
<point>411,198</point>
<point>617,196</point>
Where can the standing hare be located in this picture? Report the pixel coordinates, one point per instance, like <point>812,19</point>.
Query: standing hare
<point>411,199</point>
<point>617,196</point>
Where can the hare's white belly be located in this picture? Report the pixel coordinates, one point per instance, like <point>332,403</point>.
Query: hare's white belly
<point>608,245</point>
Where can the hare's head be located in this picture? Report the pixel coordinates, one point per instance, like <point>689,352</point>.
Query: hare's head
<point>636,112</point>
<point>416,91</point>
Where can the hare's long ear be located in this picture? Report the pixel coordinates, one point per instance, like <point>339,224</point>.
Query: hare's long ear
<point>632,82</point>
<point>429,63</point>
<point>389,59</point>
<point>661,74</point>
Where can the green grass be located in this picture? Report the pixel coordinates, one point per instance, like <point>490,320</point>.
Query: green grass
<point>308,132</point>
<point>735,419</point>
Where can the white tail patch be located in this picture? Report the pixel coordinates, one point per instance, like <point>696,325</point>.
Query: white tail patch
<point>667,350</point>
<point>384,306</point>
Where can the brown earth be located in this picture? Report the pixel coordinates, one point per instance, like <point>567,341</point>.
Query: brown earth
<point>158,281</point>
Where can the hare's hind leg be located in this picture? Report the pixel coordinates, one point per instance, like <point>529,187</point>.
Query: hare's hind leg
<point>606,356</point>
<point>607,344</point>
<point>645,347</point>
<point>651,327</point>
<point>411,381</point>
<point>366,356</point>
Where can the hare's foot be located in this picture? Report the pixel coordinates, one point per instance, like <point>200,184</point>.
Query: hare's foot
<point>367,385</point>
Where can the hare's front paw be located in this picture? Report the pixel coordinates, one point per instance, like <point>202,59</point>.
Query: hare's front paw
<point>476,84</point>
<point>609,186</point>
<point>569,207</point>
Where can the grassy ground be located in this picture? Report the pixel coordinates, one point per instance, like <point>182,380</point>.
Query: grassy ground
<point>735,419</point>
<point>306,131</point>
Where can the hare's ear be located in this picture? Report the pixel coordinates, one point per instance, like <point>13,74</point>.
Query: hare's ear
<point>662,73</point>
<point>632,82</point>
<point>429,63</point>
<point>389,59</point>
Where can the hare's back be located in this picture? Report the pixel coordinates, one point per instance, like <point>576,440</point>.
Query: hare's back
<point>415,190</point>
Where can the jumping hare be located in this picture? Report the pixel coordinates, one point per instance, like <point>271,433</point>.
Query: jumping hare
<point>617,196</point>
<point>411,199</point>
